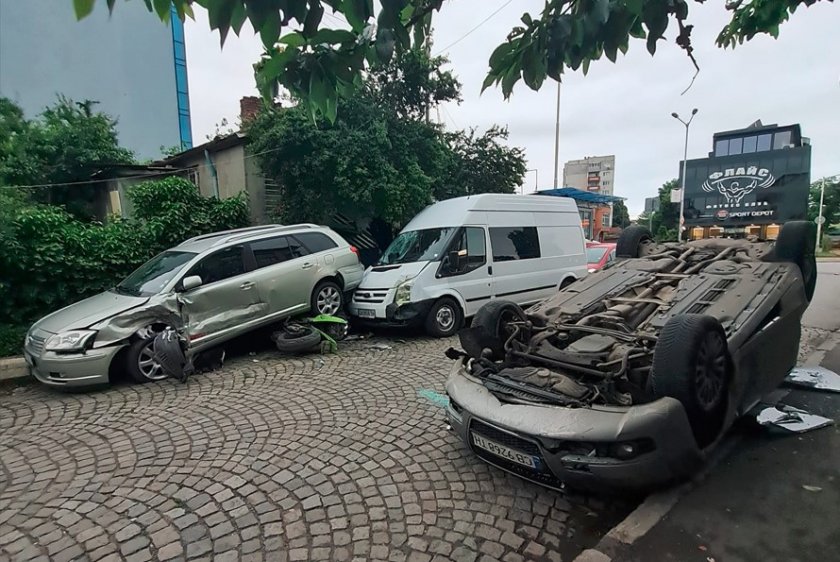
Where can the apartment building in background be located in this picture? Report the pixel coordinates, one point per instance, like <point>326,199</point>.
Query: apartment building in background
<point>129,62</point>
<point>593,174</point>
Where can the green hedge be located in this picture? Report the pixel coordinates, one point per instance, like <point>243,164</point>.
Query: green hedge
<point>48,259</point>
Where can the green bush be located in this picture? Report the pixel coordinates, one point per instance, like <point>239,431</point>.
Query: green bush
<point>49,259</point>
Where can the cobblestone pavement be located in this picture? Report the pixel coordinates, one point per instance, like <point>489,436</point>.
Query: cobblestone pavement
<point>317,458</point>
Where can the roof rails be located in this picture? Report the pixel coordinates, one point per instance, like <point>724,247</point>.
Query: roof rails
<point>274,229</point>
<point>231,232</point>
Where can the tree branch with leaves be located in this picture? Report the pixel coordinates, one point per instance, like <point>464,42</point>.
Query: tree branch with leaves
<point>320,64</point>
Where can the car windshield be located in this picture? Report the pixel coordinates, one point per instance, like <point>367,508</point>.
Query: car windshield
<point>151,277</point>
<point>594,255</point>
<point>416,245</point>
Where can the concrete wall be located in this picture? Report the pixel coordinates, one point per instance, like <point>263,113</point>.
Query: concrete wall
<point>125,62</point>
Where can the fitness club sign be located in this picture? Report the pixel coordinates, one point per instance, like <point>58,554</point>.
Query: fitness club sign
<point>735,184</point>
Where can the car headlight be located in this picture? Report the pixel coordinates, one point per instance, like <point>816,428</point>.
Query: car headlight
<point>68,342</point>
<point>403,294</point>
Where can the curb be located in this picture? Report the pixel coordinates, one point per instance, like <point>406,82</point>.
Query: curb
<point>657,505</point>
<point>12,368</point>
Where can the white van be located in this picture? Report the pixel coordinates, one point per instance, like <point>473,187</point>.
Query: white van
<point>458,254</point>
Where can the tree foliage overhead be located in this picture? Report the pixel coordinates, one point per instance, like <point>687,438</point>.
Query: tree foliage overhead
<point>66,144</point>
<point>320,64</point>
<point>380,158</point>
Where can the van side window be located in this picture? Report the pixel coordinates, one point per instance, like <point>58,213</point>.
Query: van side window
<point>471,246</point>
<point>514,243</point>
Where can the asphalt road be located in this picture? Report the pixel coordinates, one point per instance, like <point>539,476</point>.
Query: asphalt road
<point>824,312</point>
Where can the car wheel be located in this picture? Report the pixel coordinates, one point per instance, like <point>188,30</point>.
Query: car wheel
<point>327,298</point>
<point>296,339</point>
<point>140,361</point>
<point>444,319</point>
<point>632,240</point>
<point>691,363</point>
<point>492,320</point>
<point>796,244</point>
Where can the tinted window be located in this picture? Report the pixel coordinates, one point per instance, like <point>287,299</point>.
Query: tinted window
<point>271,251</point>
<point>722,148</point>
<point>316,242</point>
<point>764,142</point>
<point>521,243</point>
<point>219,266</point>
<point>782,140</point>
<point>470,242</point>
<point>749,144</point>
<point>735,146</point>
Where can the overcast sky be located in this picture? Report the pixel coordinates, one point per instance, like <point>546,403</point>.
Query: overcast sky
<point>622,109</point>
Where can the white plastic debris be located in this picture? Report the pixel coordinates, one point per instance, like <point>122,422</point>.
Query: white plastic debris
<point>811,488</point>
<point>818,378</point>
<point>791,419</point>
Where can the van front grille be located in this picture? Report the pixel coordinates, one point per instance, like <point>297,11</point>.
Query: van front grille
<point>370,296</point>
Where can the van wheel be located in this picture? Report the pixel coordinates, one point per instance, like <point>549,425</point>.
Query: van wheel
<point>566,282</point>
<point>444,319</point>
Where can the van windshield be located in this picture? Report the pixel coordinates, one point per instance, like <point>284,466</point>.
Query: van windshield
<point>417,245</point>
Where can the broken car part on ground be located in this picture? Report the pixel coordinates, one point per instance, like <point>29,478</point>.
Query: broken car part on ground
<point>630,376</point>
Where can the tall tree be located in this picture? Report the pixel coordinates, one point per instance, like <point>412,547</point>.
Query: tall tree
<point>831,200</point>
<point>620,215</point>
<point>319,64</point>
<point>381,158</point>
<point>668,215</point>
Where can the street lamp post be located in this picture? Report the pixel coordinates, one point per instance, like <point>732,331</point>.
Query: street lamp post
<point>536,179</point>
<point>820,216</point>
<point>685,158</point>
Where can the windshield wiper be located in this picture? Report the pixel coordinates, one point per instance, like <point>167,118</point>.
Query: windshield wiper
<point>123,290</point>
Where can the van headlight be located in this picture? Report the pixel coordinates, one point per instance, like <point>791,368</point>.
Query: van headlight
<point>403,293</point>
<point>70,342</point>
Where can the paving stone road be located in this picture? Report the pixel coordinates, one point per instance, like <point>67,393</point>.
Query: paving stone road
<point>271,458</point>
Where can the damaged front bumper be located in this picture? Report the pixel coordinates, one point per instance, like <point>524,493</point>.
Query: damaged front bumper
<point>603,447</point>
<point>90,368</point>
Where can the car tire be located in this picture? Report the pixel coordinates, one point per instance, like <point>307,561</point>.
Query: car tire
<point>796,244</point>
<point>327,298</point>
<point>140,362</point>
<point>691,363</point>
<point>301,339</point>
<point>491,319</point>
<point>444,319</point>
<point>632,239</point>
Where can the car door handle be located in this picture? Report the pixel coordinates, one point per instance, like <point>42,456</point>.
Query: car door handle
<point>246,285</point>
<point>307,265</point>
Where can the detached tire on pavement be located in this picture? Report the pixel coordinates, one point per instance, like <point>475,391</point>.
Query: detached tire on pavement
<point>796,244</point>
<point>630,242</point>
<point>492,319</point>
<point>691,363</point>
<point>297,339</point>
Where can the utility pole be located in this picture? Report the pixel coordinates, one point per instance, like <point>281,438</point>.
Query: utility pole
<point>557,141</point>
<point>685,159</point>
<point>820,218</point>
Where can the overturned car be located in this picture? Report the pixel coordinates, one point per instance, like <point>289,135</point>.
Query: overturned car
<point>630,376</point>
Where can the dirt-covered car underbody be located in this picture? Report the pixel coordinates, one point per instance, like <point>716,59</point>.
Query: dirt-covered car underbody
<point>629,376</point>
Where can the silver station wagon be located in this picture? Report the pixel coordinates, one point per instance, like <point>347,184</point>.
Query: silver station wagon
<point>217,286</point>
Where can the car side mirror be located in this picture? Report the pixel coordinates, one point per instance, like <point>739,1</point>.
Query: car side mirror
<point>457,261</point>
<point>191,282</point>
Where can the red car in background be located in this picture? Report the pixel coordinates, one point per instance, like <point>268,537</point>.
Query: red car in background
<point>599,254</point>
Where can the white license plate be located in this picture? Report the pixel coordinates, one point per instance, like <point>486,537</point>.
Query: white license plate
<point>365,313</point>
<point>505,452</point>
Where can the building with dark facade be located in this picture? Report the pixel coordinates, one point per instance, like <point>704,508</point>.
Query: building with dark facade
<point>754,180</point>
